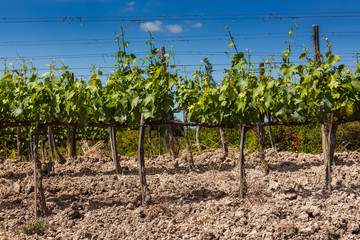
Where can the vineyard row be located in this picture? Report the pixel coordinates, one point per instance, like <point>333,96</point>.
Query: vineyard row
<point>321,90</point>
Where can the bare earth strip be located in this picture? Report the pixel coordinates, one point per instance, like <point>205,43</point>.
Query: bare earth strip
<point>89,201</point>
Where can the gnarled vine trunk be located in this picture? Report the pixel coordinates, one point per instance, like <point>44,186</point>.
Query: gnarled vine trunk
<point>38,187</point>
<point>72,141</point>
<point>53,148</point>
<point>114,151</point>
<point>171,139</point>
<point>329,144</point>
<point>145,193</point>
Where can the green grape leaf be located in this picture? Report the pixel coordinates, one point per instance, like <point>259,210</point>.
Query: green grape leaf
<point>356,84</point>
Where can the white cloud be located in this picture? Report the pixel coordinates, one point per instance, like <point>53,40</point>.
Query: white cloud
<point>158,26</point>
<point>197,25</point>
<point>151,26</point>
<point>152,3</point>
<point>131,4</point>
<point>174,28</point>
<point>130,7</point>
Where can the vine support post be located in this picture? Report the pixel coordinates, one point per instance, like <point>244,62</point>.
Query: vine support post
<point>328,129</point>
<point>261,130</point>
<point>198,144</point>
<point>189,155</point>
<point>316,45</point>
<point>150,142</point>
<point>145,194</point>
<point>329,158</point>
<point>223,142</point>
<point>18,140</point>
<point>71,136</point>
<point>272,141</point>
<point>170,132</point>
<point>243,187</point>
<point>42,144</point>
<point>159,133</point>
<point>114,151</point>
<point>31,148</point>
<point>35,180</point>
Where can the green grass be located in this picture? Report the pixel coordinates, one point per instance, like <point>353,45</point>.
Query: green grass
<point>32,227</point>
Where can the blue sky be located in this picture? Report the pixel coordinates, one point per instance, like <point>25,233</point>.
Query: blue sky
<point>198,34</point>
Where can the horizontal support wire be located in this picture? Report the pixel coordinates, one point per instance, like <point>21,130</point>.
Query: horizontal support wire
<point>161,122</point>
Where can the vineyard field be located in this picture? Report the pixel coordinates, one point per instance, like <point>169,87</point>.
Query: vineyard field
<point>215,195</point>
<point>89,200</point>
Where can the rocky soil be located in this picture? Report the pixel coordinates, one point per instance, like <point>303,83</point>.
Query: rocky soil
<point>89,201</point>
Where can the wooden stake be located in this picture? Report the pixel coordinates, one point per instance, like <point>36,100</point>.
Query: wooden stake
<point>145,194</point>
<point>150,142</point>
<point>330,153</point>
<point>189,155</point>
<point>261,130</point>
<point>159,133</point>
<point>170,132</point>
<point>71,136</point>
<point>18,139</point>
<point>243,187</point>
<point>198,144</point>
<point>328,130</point>
<point>35,179</point>
<point>42,144</point>
<point>316,45</point>
<point>223,142</point>
<point>31,147</point>
<point>261,69</point>
<point>324,126</point>
<point>163,58</point>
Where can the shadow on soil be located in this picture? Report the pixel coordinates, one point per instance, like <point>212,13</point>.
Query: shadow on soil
<point>193,196</point>
<point>64,201</point>
<point>292,166</point>
<point>200,168</point>
<point>14,204</point>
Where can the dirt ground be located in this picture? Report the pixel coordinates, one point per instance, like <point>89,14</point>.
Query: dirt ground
<point>89,201</point>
